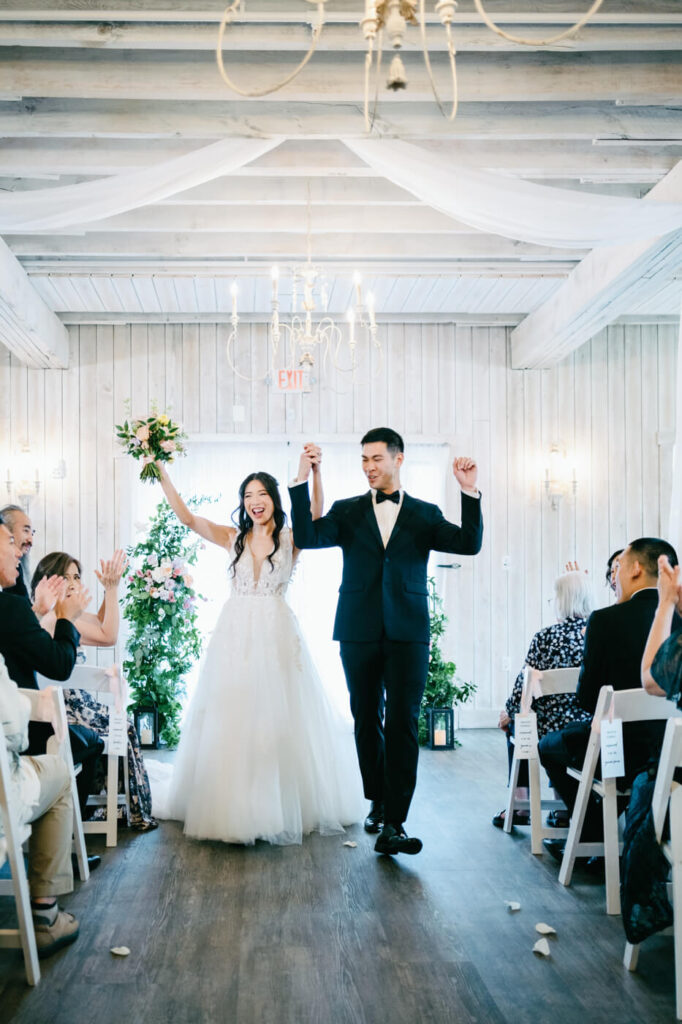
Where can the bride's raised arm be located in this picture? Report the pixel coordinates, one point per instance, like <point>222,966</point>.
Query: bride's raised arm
<point>216,533</point>
<point>317,498</point>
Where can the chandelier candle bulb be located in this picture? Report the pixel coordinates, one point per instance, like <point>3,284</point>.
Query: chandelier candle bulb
<point>370,310</point>
<point>275,282</point>
<point>351,322</point>
<point>357,281</point>
<point>233,292</point>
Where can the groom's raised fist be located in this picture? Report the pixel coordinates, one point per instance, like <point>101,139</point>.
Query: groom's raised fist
<point>466,473</point>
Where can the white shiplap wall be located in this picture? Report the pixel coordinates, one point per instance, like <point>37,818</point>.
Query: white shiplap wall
<point>611,404</point>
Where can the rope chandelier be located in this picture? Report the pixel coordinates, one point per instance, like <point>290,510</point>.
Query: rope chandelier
<point>393,18</point>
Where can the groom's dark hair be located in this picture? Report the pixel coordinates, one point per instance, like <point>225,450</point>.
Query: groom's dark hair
<point>391,439</point>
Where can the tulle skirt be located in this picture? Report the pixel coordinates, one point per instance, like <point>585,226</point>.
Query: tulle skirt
<point>263,754</point>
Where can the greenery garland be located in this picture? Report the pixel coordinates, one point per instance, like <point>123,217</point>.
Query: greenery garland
<point>440,691</point>
<point>160,606</point>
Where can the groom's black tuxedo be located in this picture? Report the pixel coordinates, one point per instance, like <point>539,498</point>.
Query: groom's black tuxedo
<point>383,590</point>
<point>382,621</point>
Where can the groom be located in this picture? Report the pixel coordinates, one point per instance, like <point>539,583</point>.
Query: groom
<point>382,617</point>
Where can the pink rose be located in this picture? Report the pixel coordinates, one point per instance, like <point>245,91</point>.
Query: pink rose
<point>168,446</point>
<point>142,433</point>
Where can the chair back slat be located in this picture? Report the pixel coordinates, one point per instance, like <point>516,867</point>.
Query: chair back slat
<point>552,680</point>
<point>640,706</point>
<point>83,677</point>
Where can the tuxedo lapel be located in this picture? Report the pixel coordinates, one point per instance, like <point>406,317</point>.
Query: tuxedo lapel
<point>405,516</point>
<point>369,517</point>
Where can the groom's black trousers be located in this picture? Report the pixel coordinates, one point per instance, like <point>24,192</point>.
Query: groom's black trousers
<point>386,681</point>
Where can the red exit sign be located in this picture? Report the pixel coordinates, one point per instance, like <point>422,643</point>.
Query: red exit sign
<point>292,381</point>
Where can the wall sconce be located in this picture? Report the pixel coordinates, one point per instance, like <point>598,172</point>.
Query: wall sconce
<point>23,475</point>
<point>560,479</point>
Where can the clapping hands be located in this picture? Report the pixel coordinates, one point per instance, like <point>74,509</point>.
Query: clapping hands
<point>112,570</point>
<point>49,590</point>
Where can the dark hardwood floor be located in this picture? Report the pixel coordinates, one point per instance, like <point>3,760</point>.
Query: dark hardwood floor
<point>324,933</point>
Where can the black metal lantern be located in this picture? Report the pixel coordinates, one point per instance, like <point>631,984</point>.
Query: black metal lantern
<point>441,728</point>
<point>147,725</point>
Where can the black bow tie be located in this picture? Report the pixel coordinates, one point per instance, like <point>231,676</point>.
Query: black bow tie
<point>388,497</point>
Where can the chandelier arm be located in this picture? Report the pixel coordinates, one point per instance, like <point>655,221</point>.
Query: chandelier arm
<point>427,61</point>
<point>537,42</point>
<point>232,337</point>
<point>375,104</point>
<point>255,93</point>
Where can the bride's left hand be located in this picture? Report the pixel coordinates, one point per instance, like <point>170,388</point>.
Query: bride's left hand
<point>314,453</point>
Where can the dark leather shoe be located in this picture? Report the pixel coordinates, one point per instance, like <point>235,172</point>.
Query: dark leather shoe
<point>555,848</point>
<point>395,840</point>
<point>518,818</point>
<point>94,861</point>
<point>374,822</point>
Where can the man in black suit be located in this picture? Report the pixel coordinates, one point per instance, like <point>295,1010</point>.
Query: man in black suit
<point>382,618</point>
<point>615,639</point>
<point>20,526</point>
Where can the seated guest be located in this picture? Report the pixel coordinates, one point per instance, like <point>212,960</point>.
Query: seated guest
<point>615,639</point>
<point>41,791</point>
<point>612,568</point>
<point>557,646</point>
<point>27,649</point>
<point>99,630</point>
<point>20,526</point>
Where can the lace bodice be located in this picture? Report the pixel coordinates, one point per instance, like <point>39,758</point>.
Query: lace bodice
<point>271,582</point>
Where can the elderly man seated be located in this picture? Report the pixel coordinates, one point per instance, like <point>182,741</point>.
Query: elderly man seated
<point>42,793</point>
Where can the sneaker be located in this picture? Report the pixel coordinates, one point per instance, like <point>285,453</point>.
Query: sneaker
<point>51,937</point>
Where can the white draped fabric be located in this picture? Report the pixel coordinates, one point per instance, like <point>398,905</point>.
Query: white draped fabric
<point>514,208</point>
<point>53,209</point>
<point>488,202</point>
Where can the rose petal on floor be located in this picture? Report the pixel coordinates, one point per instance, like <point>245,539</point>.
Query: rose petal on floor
<point>120,950</point>
<point>541,948</point>
<point>545,929</point>
<point>512,905</point>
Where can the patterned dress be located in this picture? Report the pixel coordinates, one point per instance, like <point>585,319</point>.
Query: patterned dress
<point>83,709</point>
<point>557,646</point>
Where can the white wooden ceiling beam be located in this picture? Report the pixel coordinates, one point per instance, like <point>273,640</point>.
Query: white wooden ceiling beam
<point>91,119</point>
<point>27,327</point>
<point>152,34</point>
<point>632,76</point>
<point>282,246</point>
<point>539,159</point>
<point>607,283</point>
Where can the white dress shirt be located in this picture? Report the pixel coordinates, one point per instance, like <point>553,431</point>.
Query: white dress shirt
<point>386,513</point>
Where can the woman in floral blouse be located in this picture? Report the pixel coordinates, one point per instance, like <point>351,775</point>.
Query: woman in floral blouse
<point>556,646</point>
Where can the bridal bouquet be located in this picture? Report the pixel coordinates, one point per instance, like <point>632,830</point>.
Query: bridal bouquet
<point>151,440</point>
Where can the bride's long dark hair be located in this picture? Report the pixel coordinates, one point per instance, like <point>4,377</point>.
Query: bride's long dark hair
<point>242,520</point>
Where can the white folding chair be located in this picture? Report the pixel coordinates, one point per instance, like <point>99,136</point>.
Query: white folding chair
<point>668,794</point>
<point>10,848</point>
<point>536,684</point>
<point>629,706</point>
<point>103,684</point>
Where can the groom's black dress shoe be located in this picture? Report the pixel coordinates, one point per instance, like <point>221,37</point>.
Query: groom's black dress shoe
<point>374,822</point>
<point>395,840</point>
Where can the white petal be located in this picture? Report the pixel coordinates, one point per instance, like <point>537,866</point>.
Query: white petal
<point>541,947</point>
<point>545,929</point>
<point>120,950</point>
<point>351,844</point>
<point>512,905</point>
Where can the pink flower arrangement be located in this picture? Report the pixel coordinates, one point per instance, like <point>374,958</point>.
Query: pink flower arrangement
<point>150,441</point>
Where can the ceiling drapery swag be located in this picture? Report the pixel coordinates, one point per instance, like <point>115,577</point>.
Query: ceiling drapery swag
<point>515,208</point>
<point>484,200</point>
<point>68,206</point>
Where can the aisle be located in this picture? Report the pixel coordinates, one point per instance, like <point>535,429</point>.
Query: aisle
<point>327,933</point>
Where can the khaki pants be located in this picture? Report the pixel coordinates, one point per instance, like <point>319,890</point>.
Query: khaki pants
<point>49,851</point>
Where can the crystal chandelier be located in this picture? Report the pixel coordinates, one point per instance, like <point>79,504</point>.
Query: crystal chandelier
<point>315,344</point>
<point>393,17</point>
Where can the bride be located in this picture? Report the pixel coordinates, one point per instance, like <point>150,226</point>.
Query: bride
<point>262,754</point>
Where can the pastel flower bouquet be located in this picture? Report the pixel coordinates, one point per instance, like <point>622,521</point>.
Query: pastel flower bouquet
<point>151,440</point>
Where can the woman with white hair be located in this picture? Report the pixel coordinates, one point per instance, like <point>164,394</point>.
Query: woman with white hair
<point>556,646</point>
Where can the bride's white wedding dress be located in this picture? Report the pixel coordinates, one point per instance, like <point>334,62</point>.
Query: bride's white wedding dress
<point>263,755</point>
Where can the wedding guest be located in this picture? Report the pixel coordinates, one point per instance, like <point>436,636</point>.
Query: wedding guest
<point>41,792</point>
<point>614,645</point>
<point>27,649</point>
<point>612,568</point>
<point>20,526</point>
<point>662,659</point>
<point>100,630</point>
<point>557,646</point>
